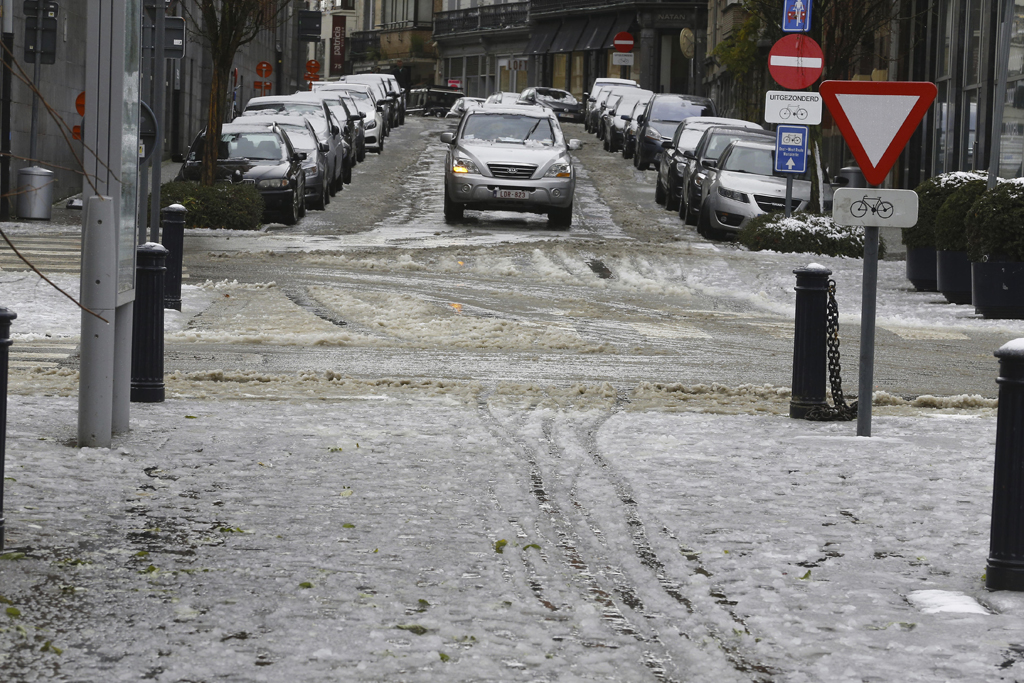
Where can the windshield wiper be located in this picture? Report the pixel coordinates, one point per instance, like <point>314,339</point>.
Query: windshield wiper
<point>527,137</point>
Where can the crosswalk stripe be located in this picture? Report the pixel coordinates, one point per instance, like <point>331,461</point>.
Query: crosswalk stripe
<point>48,253</point>
<point>32,354</point>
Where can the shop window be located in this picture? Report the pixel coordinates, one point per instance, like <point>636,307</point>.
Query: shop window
<point>576,84</point>
<point>1011,138</point>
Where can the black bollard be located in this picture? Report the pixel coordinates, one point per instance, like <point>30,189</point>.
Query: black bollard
<point>809,341</point>
<point>1006,545</point>
<point>172,218</point>
<point>148,325</point>
<point>6,317</point>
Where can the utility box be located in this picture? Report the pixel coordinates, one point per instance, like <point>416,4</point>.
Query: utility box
<point>35,193</point>
<point>851,176</point>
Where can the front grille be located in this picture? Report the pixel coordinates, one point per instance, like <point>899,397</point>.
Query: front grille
<point>769,204</point>
<point>248,181</point>
<point>512,171</point>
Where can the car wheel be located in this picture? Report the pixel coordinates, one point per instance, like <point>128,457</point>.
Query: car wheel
<point>606,145</point>
<point>638,160</point>
<point>560,218</point>
<point>318,203</point>
<point>346,176</point>
<point>659,191</point>
<point>362,154</point>
<point>671,200</point>
<point>682,207</point>
<point>380,147</point>
<point>627,152</point>
<point>326,194</point>
<point>291,214</point>
<point>704,225</point>
<point>301,194</point>
<point>692,213</point>
<point>452,210</point>
<point>331,185</point>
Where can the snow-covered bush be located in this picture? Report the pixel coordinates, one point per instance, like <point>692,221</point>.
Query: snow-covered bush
<point>804,233</point>
<point>225,206</point>
<point>931,195</point>
<point>995,224</point>
<point>950,221</point>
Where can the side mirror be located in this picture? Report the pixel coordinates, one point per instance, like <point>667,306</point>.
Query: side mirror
<point>178,158</point>
<point>299,156</point>
<point>362,114</point>
<point>324,147</point>
<point>687,154</point>
<point>626,117</point>
<point>586,95</point>
<point>447,137</point>
<point>335,130</point>
<point>640,119</point>
<point>667,144</point>
<point>574,144</point>
<point>710,163</point>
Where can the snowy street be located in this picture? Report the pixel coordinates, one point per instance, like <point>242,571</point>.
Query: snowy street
<point>396,449</point>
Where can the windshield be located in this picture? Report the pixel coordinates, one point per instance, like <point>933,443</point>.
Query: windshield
<point>556,95</point>
<point>257,145</point>
<point>508,128</point>
<point>675,110</point>
<point>300,108</point>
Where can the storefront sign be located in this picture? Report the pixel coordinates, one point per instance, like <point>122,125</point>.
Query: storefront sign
<point>338,45</point>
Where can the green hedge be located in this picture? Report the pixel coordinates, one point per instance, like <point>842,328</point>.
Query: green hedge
<point>804,233</point>
<point>931,195</point>
<point>995,224</point>
<point>224,206</point>
<point>950,221</point>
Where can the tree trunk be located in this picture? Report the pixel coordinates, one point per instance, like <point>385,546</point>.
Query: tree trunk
<point>214,121</point>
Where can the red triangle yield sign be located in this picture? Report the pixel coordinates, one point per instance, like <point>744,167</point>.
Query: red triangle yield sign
<point>877,119</point>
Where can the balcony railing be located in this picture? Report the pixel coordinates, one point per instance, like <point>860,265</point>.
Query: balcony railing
<point>486,18</point>
<point>561,6</point>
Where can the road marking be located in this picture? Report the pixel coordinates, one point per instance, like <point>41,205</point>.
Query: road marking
<point>670,331</point>
<point>923,332</point>
<point>41,354</point>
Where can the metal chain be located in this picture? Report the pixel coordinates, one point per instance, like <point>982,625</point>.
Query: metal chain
<point>840,411</point>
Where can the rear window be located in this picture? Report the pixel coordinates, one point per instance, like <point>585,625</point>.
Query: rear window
<point>755,160</point>
<point>300,137</point>
<point>302,108</point>
<point>719,141</point>
<point>258,145</point>
<point>556,95</point>
<point>675,110</point>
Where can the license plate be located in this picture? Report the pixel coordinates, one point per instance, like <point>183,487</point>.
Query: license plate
<point>511,194</point>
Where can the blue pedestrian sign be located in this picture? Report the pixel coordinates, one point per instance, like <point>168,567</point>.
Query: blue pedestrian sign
<point>796,16</point>
<point>791,149</point>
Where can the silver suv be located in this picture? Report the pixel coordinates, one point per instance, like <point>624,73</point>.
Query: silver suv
<point>503,158</point>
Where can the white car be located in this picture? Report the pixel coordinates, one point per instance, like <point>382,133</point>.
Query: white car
<point>366,100</point>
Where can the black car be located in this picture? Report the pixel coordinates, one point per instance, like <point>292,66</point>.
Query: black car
<point>436,100</point>
<point>260,155</point>
<point>658,123</point>
<point>304,139</point>
<point>565,106</point>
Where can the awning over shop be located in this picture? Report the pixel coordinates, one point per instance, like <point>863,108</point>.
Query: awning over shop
<point>568,35</point>
<point>541,39</point>
<point>596,33</point>
<point>622,23</point>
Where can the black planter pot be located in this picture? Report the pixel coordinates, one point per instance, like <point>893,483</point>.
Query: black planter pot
<point>998,289</point>
<point>953,275</point>
<point>921,268</point>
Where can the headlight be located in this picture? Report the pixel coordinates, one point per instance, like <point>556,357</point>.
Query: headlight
<point>276,183</point>
<point>653,134</point>
<point>310,171</point>
<point>733,195</point>
<point>464,166</point>
<point>559,171</point>
<point>698,179</point>
<point>371,124</point>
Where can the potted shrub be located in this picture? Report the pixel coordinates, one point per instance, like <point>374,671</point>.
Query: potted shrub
<point>995,245</point>
<point>920,240</point>
<point>804,232</point>
<point>952,267</point>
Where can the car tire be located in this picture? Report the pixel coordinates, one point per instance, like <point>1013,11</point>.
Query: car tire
<point>332,186</point>
<point>560,219</point>
<point>291,214</point>
<point>362,154</point>
<point>327,196</point>
<point>380,147</point>
<point>683,207</point>
<point>692,214</point>
<point>627,152</point>
<point>607,145</point>
<point>671,200</point>
<point>319,203</point>
<point>704,225</point>
<point>346,175</point>
<point>659,191</point>
<point>453,210</point>
<point>638,160</point>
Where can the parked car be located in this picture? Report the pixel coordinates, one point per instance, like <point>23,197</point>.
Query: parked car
<point>462,105</point>
<point>304,139</point>
<point>657,125</point>
<point>257,154</point>
<point>671,162</point>
<point>631,127</point>
<point>598,107</point>
<point>704,156</point>
<point>395,92</point>
<point>745,185</point>
<point>358,120</point>
<point>620,116</point>
<point>562,102</point>
<point>365,100</point>
<point>433,101</point>
<point>340,118</point>
<point>323,121</point>
<point>387,95</point>
<point>590,98</point>
<point>509,159</point>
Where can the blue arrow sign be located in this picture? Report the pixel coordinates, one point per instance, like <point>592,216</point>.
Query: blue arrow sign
<point>796,16</point>
<point>791,149</point>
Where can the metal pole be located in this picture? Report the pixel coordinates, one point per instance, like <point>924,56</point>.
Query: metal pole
<point>867,331</point>
<point>148,328</point>
<point>6,317</point>
<point>99,294</point>
<point>173,223</point>
<point>156,160</point>
<point>809,340</point>
<point>5,110</point>
<point>1005,569</point>
<point>35,80</point>
<point>998,99</point>
<point>789,194</point>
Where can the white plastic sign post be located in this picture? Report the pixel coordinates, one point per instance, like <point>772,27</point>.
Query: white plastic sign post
<point>873,207</point>
<point>783,106</point>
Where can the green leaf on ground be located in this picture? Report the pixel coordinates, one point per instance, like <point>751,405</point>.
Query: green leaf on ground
<point>806,576</point>
<point>12,556</point>
<point>13,612</point>
<point>499,546</point>
<point>48,646</point>
<point>444,657</point>
<point>412,628</point>
<point>348,526</point>
<point>532,545</point>
<point>305,584</point>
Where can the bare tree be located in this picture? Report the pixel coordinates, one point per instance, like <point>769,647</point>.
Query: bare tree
<point>225,26</point>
